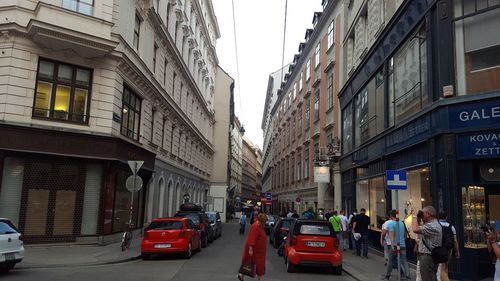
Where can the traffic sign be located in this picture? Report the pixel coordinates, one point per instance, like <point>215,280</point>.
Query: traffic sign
<point>135,166</point>
<point>269,196</point>
<point>396,180</point>
<point>298,199</point>
<point>133,183</point>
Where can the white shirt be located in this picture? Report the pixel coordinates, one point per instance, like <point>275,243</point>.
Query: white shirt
<point>385,227</point>
<point>343,222</point>
<point>289,215</point>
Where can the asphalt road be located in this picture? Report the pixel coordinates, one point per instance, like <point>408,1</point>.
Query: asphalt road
<point>218,262</point>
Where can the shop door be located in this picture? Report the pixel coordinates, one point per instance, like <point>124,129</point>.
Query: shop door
<point>52,201</point>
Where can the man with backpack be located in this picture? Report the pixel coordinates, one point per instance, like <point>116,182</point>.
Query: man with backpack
<point>436,241</point>
<point>443,267</point>
<point>350,221</point>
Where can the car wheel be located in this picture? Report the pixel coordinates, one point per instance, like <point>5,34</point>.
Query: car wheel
<point>189,252</point>
<point>290,268</point>
<point>204,241</point>
<point>145,257</point>
<point>337,270</point>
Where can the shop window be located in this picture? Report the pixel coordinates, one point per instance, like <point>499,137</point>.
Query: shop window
<point>131,114</point>
<point>347,129</point>
<point>81,6</point>
<point>370,194</point>
<point>474,214</point>
<point>408,79</point>
<point>62,92</point>
<point>418,194</point>
<point>477,47</point>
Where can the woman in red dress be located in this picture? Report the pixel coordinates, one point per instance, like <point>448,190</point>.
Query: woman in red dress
<point>255,246</point>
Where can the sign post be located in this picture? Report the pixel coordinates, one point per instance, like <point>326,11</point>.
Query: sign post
<point>136,183</point>
<point>397,180</point>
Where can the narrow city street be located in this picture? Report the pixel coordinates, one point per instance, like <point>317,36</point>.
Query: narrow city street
<point>219,261</point>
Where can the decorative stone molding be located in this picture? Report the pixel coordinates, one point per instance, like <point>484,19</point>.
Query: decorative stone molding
<point>201,63</point>
<point>187,30</point>
<point>196,54</point>
<point>192,43</point>
<point>179,13</point>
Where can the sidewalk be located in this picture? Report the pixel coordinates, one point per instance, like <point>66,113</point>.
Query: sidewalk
<point>364,269</point>
<point>56,255</point>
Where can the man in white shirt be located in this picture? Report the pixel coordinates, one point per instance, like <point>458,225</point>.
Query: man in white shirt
<point>289,214</point>
<point>344,231</point>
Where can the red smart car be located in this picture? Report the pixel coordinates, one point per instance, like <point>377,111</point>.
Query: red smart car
<point>169,236</point>
<point>312,243</point>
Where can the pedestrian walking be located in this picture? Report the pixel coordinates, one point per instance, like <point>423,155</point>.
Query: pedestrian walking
<point>385,240</point>
<point>328,214</point>
<point>351,233</point>
<point>344,234</point>
<point>360,227</point>
<point>309,214</point>
<point>255,247</point>
<point>243,223</point>
<point>335,222</point>
<point>494,247</point>
<point>442,274</point>
<point>289,214</point>
<point>426,224</point>
<point>394,226</point>
<point>295,215</point>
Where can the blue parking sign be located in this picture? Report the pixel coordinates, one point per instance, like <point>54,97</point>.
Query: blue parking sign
<point>396,180</point>
<point>269,196</point>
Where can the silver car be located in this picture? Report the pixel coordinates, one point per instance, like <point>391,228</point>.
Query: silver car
<point>11,245</point>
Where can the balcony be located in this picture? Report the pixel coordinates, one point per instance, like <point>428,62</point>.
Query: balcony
<point>330,61</point>
<point>316,129</point>
<point>64,30</point>
<point>317,77</point>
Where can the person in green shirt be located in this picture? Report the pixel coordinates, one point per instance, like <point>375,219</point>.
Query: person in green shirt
<point>335,221</point>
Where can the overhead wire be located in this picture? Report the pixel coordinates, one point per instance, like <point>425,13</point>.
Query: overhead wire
<point>237,59</point>
<point>284,40</point>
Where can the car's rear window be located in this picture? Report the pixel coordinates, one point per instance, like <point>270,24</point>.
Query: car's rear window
<point>270,218</point>
<point>6,228</point>
<point>194,217</point>
<point>165,225</point>
<point>315,229</point>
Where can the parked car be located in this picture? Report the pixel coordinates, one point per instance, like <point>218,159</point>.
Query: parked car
<point>169,236</point>
<point>271,219</point>
<point>200,219</point>
<point>311,243</point>
<point>11,245</point>
<point>216,223</point>
<point>279,231</point>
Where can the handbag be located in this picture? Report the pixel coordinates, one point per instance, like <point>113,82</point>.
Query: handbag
<point>409,242</point>
<point>248,267</point>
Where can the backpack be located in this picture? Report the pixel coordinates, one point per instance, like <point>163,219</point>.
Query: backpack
<point>440,254</point>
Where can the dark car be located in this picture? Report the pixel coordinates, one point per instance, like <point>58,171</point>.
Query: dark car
<point>271,219</point>
<point>216,223</point>
<point>279,231</point>
<point>200,219</point>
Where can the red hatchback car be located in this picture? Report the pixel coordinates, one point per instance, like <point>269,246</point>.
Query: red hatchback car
<point>312,243</point>
<point>169,236</point>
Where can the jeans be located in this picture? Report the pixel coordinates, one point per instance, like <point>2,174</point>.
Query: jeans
<point>343,240</point>
<point>362,243</point>
<point>242,228</point>
<point>405,269</point>
<point>353,242</point>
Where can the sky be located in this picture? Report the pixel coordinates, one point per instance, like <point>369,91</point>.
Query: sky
<point>259,34</point>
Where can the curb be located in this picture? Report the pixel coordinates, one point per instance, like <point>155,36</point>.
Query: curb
<point>81,264</point>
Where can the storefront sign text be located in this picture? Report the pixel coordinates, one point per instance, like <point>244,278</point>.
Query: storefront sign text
<point>475,115</point>
<point>480,145</point>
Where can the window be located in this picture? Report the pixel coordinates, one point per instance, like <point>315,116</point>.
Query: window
<point>165,64</point>
<point>370,194</point>
<point>477,46</point>
<point>299,167</point>
<point>81,6</point>
<point>293,127</point>
<point>294,91</point>
<point>329,92</point>
<point>163,133</point>
<point>316,150</point>
<point>131,114</point>
<point>361,133</point>
<point>316,105</point>
<point>308,113</point>
<point>137,28</point>
<point>330,34</point>
<point>301,81</point>
<point>316,56</point>
<point>408,79</point>
<point>173,84</point>
<point>308,70</point>
<point>153,112</point>
<point>62,92</point>
<point>347,129</point>
<point>306,163</point>
<point>155,52</point>
<point>299,121</point>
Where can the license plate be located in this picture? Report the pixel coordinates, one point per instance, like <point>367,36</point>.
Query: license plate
<point>9,257</point>
<point>316,244</point>
<point>162,246</point>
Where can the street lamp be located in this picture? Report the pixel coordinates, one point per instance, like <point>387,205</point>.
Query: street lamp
<point>186,197</point>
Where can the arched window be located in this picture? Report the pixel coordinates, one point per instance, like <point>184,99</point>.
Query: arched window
<point>159,200</point>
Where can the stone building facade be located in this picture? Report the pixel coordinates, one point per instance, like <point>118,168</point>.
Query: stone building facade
<point>86,87</point>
